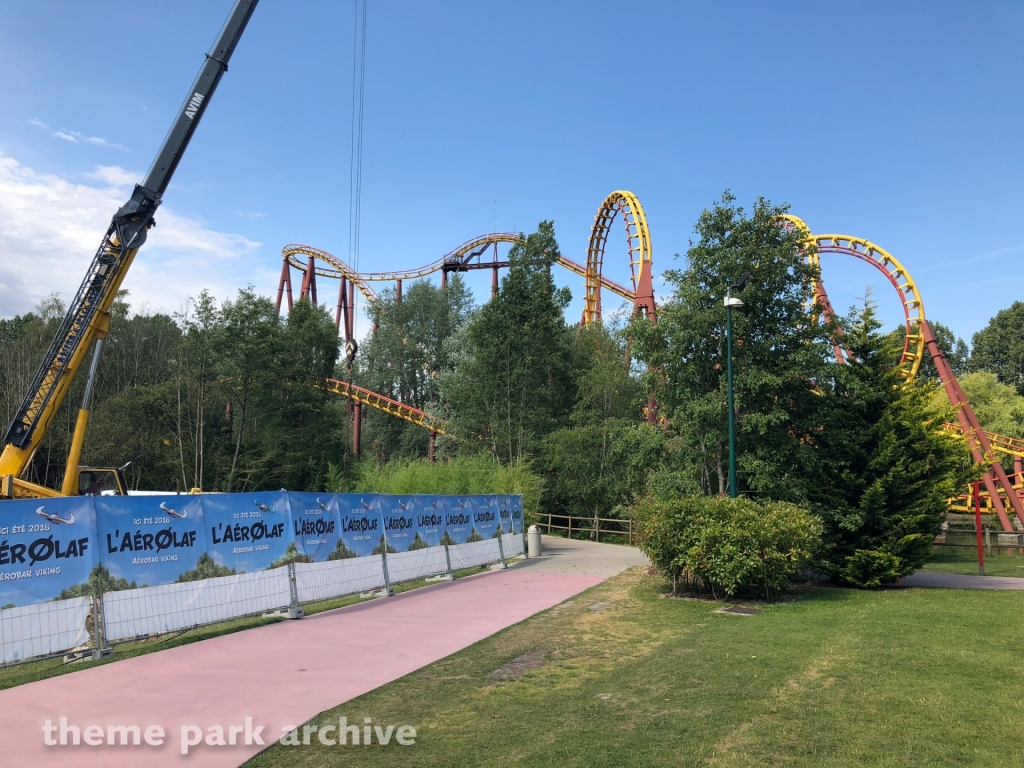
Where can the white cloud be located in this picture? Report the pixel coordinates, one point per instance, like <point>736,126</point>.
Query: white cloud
<point>104,143</point>
<point>115,176</point>
<point>38,123</point>
<point>50,228</point>
<point>75,136</point>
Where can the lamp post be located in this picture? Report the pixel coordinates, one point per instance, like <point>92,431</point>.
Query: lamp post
<point>730,302</point>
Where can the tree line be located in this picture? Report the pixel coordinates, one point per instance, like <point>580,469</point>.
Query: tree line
<point>218,395</point>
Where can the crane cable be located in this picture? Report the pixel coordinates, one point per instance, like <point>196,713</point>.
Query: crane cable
<point>355,185</point>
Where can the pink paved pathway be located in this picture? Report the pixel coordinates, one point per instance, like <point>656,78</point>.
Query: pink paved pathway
<point>281,674</point>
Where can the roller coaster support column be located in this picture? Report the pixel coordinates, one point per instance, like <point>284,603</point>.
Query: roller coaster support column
<point>981,449</point>
<point>357,426</point>
<point>1018,471</point>
<point>430,450</point>
<point>444,277</point>
<point>308,290</point>
<point>286,280</point>
<point>977,525</point>
<point>342,307</point>
<point>398,291</point>
<point>494,274</point>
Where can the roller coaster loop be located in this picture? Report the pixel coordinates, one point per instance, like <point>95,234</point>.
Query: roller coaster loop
<point>641,256</point>
<point>919,339</point>
<point>884,262</point>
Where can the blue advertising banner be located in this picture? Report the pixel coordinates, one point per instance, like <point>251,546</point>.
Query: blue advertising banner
<point>400,527</point>
<point>362,530</point>
<point>316,524</point>
<point>430,519</point>
<point>458,519</point>
<point>48,548</point>
<point>516,503</point>
<point>150,540</point>
<point>247,532</point>
<point>485,516</point>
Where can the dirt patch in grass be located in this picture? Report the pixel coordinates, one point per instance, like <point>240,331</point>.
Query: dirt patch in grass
<point>520,665</point>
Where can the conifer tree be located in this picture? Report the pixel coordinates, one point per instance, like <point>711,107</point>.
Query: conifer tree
<point>887,467</point>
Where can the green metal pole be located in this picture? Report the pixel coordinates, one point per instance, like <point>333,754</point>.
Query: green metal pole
<point>732,409</point>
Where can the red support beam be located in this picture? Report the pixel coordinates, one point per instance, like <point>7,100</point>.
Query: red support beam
<point>342,308</point>
<point>286,280</point>
<point>304,288</point>
<point>357,426</point>
<point>494,273</point>
<point>398,291</point>
<point>981,449</point>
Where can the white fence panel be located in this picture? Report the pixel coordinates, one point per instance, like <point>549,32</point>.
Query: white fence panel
<point>322,581</point>
<point>474,553</point>
<point>513,544</point>
<point>406,566</point>
<point>150,610</point>
<point>44,628</point>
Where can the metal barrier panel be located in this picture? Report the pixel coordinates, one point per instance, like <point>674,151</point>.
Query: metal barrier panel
<point>151,610</point>
<point>474,553</point>
<point>45,629</point>
<point>406,566</point>
<point>322,581</point>
<point>512,543</point>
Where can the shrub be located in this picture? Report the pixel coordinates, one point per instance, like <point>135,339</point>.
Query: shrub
<point>457,476</point>
<point>728,547</point>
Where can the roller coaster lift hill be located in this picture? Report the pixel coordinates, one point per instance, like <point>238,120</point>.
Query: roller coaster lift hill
<point>88,317</point>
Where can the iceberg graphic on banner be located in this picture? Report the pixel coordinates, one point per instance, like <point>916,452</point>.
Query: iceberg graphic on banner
<point>83,544</point>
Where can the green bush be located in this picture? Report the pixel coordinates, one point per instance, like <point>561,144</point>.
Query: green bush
<point>728,547</point>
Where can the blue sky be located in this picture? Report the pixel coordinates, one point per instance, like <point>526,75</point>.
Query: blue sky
<point>897,121</point>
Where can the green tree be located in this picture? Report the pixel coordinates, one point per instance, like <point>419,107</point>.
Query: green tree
<point>999,347</point>
<point>887,467</point>
<point>405,356</point>
<point>249,345</point>
<point>512,382</point>
<point>601,461</point>
<point>206,568</point>
<point>383,547</point>
<point>778,356</point>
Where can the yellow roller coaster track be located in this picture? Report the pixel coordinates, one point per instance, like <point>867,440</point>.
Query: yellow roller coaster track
<point>1012,446</point>
<point>641,257</point>
<point>381,403</point>
<point>298,256</point>
<point>896,273</point>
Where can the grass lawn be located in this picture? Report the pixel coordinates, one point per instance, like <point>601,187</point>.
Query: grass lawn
<point>901,677</point>
<point>20,674</point>
<point>964,560</point>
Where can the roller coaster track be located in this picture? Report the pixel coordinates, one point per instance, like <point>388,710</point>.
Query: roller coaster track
<point>298,257</point>
<point>1011,446</point>
<point>312,262</point>
<point>641,255</point>
<point>381,403</point>
<point>919,339</point>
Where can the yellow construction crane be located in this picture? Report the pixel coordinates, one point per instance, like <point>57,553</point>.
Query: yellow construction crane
<point>88,317</point>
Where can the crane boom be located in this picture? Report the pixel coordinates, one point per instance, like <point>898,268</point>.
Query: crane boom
<point>88,317</point>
